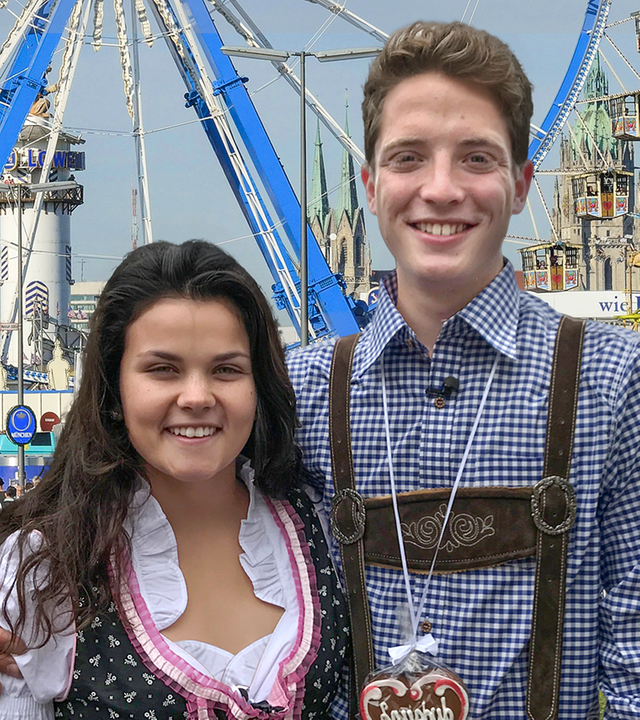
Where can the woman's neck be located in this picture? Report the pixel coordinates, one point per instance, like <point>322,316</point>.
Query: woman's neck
<point>220,500</point>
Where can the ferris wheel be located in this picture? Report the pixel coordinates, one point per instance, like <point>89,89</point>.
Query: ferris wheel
<point>51,32</point>
<point>593,220</point>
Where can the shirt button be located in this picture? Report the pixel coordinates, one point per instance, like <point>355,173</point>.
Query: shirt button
<point>439,402</point>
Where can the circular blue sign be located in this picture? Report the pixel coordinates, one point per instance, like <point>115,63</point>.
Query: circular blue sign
<point>21,424</point>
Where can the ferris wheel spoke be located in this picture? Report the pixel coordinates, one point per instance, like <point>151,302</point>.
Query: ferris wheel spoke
<point>352,18</point>
<point>533,220</point>
<point>546,209</point>
<point>613,72</point>
<point>254,37</point>
<point>98,23</point>
<point>596,146</point>
<point>622,55</point>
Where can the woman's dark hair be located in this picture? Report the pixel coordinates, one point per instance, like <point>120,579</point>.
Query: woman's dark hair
<point>80,505</point>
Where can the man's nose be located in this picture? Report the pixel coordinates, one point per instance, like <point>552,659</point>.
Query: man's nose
<point>440,182</point>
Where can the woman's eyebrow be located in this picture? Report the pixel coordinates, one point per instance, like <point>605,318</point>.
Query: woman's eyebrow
<point>164,355</point>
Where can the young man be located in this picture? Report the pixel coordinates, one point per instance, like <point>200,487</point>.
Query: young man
<point>446,114</point>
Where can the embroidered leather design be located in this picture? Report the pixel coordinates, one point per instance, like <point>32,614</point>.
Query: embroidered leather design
<point>464,529</point>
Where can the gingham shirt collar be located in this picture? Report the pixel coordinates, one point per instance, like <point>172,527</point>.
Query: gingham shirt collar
<point>493,314</point>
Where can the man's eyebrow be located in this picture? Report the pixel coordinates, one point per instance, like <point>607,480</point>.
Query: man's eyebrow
<point>481,141</point>
<point>413,141</point>
<point>404,142</point>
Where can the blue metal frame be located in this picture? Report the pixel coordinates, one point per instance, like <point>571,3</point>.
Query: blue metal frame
<point>26,76</point>
<point>592,28</point>
<point>324,287</point>
<point>330,311</point>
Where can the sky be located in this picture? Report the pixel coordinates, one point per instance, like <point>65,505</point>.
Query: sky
<point>190,197</point>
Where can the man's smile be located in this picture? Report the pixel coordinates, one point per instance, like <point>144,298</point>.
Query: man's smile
<point>437,228</point>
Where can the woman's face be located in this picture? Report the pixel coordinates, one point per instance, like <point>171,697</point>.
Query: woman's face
<point>187,389</point>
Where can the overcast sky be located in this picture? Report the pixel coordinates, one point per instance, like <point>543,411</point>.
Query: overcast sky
<point>189,195</point>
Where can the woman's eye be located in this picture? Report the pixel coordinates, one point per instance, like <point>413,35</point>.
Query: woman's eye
<point>161,369</point>
<point>227,370</point>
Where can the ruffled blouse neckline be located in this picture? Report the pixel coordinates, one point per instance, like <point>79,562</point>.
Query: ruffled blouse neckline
<point>265,559</point>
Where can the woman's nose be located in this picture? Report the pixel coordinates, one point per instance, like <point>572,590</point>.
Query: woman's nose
<point>196,393</point>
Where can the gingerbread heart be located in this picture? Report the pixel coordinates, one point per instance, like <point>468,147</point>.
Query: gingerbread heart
<point>434,695</point>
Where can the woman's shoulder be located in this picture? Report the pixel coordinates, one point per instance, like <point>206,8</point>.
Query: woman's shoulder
<point>18,545</point>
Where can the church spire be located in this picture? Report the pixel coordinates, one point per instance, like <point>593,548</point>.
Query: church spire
<point>319,199</point>
<point>597,84</point>
<point>348,197</point>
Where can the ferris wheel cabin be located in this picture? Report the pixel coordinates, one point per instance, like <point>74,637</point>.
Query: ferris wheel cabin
<point>624,112</point>
<point>601,195</point>
<point>550,266</point>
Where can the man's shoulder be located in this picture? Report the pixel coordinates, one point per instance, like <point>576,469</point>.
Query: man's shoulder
<point>315,357</point>
<point>610,353</point>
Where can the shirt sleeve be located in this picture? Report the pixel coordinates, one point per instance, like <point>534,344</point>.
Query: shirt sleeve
<point>620,552</point>
<point>310,383</point>
<point>46,670</point>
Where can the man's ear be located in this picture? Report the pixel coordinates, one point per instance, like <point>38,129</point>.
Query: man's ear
<point>368,178</point>
<point>524,176</point>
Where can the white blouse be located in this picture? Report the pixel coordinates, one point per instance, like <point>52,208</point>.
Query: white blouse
<point>47,671</point>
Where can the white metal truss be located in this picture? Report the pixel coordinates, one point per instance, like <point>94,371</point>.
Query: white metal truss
<point>355,20</point>
<point>255,38</point>
<point>138,127</point>
<point>76,33</point>
<point>15,36</point>
<point>200,76</point>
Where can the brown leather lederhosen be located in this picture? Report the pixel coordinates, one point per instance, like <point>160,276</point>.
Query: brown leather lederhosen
<point>525,522</point>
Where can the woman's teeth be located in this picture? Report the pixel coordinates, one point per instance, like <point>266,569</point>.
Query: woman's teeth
<point>192,431</point>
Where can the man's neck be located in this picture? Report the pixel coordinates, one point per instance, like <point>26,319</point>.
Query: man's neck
<point>426,308</point>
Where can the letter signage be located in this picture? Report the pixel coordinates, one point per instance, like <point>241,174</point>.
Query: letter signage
<point>21,424</point>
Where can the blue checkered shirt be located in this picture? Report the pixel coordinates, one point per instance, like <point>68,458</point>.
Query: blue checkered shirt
<point>482,618</point>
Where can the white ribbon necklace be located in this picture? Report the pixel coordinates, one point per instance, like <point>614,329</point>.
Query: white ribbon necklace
<point>427,643</point>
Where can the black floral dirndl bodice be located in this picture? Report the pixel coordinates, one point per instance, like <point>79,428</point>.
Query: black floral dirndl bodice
<point>125,670</point>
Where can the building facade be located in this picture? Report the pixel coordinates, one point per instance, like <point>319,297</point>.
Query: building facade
<point>340,230</point>
<point>591,159</point>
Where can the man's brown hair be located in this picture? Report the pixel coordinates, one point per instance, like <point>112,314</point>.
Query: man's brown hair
<point>458,51</point>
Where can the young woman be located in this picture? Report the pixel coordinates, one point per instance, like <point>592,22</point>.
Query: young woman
<point>169,566</point>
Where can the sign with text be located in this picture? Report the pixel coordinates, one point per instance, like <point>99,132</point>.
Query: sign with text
<point>21,424</point>
<point>598,304</point>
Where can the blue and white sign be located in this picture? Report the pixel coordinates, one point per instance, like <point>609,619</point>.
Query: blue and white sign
<point>21,424</point>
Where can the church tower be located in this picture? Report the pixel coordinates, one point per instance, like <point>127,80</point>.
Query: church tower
<point>591,148</point>
<point>340,231</point>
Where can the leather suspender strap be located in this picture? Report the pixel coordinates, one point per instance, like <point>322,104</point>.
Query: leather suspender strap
<point>348,515</point>
<point>552,513</point>
<point>545,645</point>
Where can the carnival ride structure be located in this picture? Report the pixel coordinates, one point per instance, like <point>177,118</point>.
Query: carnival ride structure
<point>219,97</point>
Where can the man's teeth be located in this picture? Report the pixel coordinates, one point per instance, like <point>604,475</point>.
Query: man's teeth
<point>192,431</point>
<point>441,229</point>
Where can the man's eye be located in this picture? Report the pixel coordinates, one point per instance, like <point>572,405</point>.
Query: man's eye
<point>480,161</point>
<point>404,161</point>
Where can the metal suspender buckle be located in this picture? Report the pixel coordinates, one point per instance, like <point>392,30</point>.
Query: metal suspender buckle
<point>348,516</point>
<point>549,496</point>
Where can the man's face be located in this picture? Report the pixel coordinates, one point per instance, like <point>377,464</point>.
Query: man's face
<point>444,185</point>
